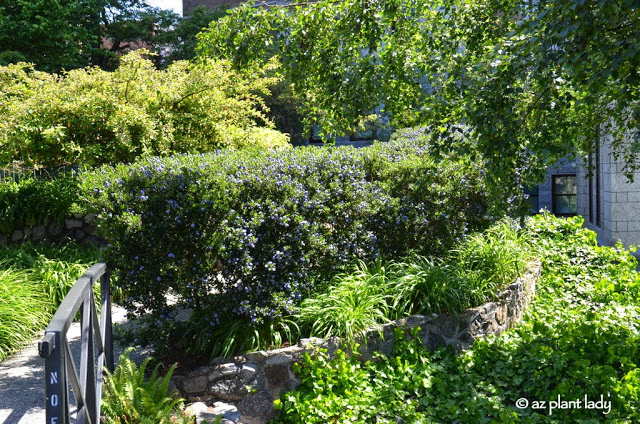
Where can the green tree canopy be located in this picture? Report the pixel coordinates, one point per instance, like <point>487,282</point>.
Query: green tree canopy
<point>529,82</point>
<point>180,41</point>
<point>69,34</point>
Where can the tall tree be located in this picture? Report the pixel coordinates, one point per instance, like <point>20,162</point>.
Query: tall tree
<point>53,34</point>
<point>530,81</point>
<point>68,34</point>
<point>180,42</point>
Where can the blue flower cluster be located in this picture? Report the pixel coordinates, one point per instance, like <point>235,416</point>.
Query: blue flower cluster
<point>247,235</point>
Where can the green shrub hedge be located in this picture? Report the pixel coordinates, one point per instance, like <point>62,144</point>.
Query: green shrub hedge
<point>242,237</point>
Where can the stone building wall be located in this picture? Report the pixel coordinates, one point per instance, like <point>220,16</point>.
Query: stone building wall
<point>619,199</point>
<point>242,390</point>
<point>78,227</point>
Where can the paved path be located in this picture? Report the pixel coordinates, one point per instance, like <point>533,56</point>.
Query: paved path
<point>21,379</point>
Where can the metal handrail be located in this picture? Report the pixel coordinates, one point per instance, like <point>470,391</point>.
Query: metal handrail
<point>60,367</point>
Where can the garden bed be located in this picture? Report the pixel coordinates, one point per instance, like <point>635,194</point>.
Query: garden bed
<point>244,390</point>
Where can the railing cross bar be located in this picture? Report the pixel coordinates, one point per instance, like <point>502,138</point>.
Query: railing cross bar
<point>72,373</point>
<point>95,326</point>
<point>87,360</point>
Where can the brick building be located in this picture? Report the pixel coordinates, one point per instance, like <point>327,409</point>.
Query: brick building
<point>189,5</point>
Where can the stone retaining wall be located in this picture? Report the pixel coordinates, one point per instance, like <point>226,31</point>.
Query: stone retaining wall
<point>78,227</point>
<point>243,390</point>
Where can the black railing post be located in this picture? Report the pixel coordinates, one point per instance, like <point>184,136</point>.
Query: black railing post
<point>55,371</point>
<point>106,324</point>
<point>88,363</point>
<point>60,368</point>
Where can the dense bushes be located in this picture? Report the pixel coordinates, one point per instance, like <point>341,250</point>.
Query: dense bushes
<point>89,116</point>
<point>242,237</point>
<point>33,201</point>
<point>579,339</point>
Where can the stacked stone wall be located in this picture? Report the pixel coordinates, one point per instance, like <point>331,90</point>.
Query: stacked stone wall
<point>79,227</point>
<point>242,390</point>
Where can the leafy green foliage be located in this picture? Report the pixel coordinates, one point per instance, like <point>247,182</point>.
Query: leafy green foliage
<point>531,82</point>
<point>363,299</point>
<point>343,61</point>
<point>33,281</point>
<point>132,397</point>
<point>8,57</point>
<point>245,236</point>
<point>36,201</point>
<point>90,117</point>
<point>180,41</point>
<point>579,338</point>
<point>74,34</point>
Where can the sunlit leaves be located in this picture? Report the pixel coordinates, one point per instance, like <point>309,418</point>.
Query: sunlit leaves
<point>90,117</point>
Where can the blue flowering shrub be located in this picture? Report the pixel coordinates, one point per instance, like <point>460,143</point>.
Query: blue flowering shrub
<point>242,237</point>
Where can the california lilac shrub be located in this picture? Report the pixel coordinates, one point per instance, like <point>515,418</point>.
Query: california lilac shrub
<point>242,237</point>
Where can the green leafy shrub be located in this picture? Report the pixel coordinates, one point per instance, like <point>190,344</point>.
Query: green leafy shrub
<point>244,236</point>
<point>579,338</point>
<point>8,57</point>
<point>448,199</point>
<point>35,201</point>
<point>132,397</point>
<point>89,116</point>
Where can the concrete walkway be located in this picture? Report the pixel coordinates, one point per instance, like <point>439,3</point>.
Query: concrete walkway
<point>22,399</point>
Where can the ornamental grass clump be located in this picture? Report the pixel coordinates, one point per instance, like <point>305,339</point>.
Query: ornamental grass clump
<point>36,201</point>
<point>34,278</point>
<point>244,236</point>
<point>23,309</point>
<point>357,302</point>
<point>54,268</point>
<point>368,296</point>
<point>471,273</point>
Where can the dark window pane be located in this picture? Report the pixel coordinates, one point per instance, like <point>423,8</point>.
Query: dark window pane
<point>565,184</point>
<point>532,193</point>
<point>566,204</point>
